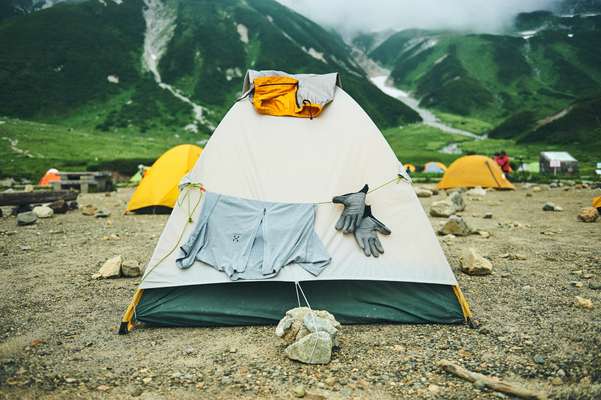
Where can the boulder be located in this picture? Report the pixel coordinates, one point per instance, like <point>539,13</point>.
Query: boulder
<point>588,214</point>
<point>474,264</point>
<point>130,269</point>
<point>110,269</point>
<point>476,192</point>
<point>457,200</point>
<point>26,218</point>
<point>421,192</point>
<point>43,211</point>
<point>292,326</point>
<point>315,348</point>
<point>455,225</point>
<point>313,323</point>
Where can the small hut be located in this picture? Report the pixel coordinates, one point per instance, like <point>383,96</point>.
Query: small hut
<point>558,162</point>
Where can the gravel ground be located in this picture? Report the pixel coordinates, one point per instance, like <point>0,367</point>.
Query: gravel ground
<point>58,326</point>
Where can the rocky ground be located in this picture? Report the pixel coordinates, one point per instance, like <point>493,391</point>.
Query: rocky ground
<point>58,325</point>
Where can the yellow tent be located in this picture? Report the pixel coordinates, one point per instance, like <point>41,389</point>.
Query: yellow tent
<point>472,171</point>
<point>597,202</point>
<point>158,188</point>
<point>409,167</point>
<point>435,167</point>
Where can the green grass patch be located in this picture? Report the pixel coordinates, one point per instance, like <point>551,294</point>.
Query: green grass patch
<point>469,124</point>
<point>53,146</point>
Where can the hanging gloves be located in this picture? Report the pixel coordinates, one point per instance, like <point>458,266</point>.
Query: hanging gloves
<point>366,235</point>
<point>354,206</point>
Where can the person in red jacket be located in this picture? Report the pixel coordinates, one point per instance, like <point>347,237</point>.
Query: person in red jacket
<point>504,162</point>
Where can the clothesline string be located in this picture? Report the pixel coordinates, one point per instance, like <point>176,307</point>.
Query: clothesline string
<point>191,212</point>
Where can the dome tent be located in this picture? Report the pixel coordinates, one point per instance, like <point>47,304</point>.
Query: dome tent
<point>435,167</point>
<point>283,159</point>
<point>158,188</point>
<point>472,171</point>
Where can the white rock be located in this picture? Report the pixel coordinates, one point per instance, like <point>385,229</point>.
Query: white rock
<point>421,192</point>
<point>111,268</point>
<point>474,264</point>
<point>131,269</point>
<point>43,211</point>
<point>455,225</point>
<point>315,348</point>
<point>457,200</point>
<point>476,192</point>
<point>442,208</point>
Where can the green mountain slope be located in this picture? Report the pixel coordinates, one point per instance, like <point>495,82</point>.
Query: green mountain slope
<point>547,63</point>
<point>81,63</point>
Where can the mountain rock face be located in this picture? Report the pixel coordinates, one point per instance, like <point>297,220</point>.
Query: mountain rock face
<point>521,80</point>
<point>161,65</point>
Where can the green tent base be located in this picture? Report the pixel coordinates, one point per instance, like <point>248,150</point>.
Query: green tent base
<point>265,303</point>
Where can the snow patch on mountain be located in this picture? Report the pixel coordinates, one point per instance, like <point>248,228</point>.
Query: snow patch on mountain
<point>243,32</point>
<point>160,27</point>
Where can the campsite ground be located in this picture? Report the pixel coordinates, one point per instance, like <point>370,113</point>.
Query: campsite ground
<point>58,326</point>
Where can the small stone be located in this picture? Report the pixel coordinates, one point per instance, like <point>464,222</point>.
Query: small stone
<point>421,192</point>
<point>130,269</point>
<point>474,264</point>
<point>315,348</point>
<point>28,188</point>
<point>587,276</point>
<point>594,285</point>
<point>576,284</point>
<point>147,380</point>
<point>299,391</point>
<point>588,214</point>
<point>26,218</point>
<point>59,206</point>
<point>457,200</point>
<point>89,210</point>
<point>484,234</point>
<point>70,380</point>
<point>43,211</point>
<point>584,303</point>
<point>188,350</point>
<point>102,213</point>
<point>232,350</point>
<point>561,373</point>
<point>548,206</point>
<point>442,208</point>
<point>556,381</point>
<point>434,389</point>
<point>455,225</point>
<point>331,381</point>
<point>488,215</point>
<point>528,194</point>
<point>111,267</point>
<point>476,192</point>
<point>103,388</point>
<point>539,359</point>
<point>537,189</point>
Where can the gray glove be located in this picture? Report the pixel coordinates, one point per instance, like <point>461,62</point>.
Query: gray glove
<point>354,206</point>
<point>366,234</point>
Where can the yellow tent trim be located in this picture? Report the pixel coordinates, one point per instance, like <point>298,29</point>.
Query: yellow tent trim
<point>597,202</point>
<point>127,322</point>
<point>465,308</point>
<point>276,95</point>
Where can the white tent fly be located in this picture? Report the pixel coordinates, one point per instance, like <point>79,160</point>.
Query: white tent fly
<point>302,160</point>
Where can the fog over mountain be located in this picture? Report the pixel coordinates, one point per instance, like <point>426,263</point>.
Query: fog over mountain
<point>351,16</point>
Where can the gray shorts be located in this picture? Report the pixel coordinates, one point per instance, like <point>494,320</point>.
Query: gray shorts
<point>250,239</point>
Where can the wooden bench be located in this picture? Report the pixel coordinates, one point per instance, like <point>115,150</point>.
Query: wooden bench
<point>83,181</point>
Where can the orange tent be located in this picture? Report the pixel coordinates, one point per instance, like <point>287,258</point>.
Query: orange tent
<point>597,202</point>
<point>52,175</point>
<point>472,171</point>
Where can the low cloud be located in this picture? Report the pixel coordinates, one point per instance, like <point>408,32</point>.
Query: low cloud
<point>352,16</point>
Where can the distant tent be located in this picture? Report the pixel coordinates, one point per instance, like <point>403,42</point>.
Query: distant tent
<point>597,202</point>
<point>472,171</point>
<point>158,189</point>
<point>52,175</point>
<point>409,167</point>
<point>435,167</point>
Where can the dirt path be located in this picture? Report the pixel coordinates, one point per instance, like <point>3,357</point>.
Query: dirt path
<point>58,326</point>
